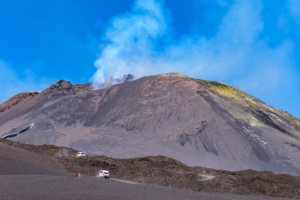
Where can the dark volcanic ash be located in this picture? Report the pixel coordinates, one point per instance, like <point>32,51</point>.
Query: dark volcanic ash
<point>200,123</point>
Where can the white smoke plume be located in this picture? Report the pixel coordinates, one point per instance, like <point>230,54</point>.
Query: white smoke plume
<point>135,39</point>
<point>132,39</point>
<point>140,42</point>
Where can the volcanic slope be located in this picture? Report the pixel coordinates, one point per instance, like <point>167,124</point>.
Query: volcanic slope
<point>200,123</point>
<point>16,100</point>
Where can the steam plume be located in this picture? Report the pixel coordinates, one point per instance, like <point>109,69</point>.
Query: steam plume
<point>132,39</point>
<point>140,42</point>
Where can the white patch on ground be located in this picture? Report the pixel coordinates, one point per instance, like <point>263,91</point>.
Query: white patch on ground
<point>206,177</point>
<point>250,100</point>
<point>277,118</point>
<point>123,181</point>
<point>255,136</point>
<point>31,125</point>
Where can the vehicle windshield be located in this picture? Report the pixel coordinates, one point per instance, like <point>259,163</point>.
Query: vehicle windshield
<point>105,173</point>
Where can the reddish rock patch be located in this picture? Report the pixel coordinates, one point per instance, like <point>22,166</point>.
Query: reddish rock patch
<point>16,100</point>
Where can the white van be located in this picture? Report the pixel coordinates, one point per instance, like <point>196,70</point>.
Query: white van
<point>81,154</point>
<point>104,174</point>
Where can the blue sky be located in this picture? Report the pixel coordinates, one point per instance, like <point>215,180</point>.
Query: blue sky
<point>253,45</point>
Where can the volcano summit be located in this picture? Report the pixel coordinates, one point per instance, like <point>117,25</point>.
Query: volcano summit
<point>200,123</point>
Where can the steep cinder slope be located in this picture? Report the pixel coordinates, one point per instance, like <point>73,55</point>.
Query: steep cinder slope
<point>197,122</point>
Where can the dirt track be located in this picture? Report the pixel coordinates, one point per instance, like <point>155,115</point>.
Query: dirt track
<point>158,170</point>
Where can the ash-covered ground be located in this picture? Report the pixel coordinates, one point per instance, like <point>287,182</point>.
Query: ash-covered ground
<point>199,123</point>
<point>46,173</point>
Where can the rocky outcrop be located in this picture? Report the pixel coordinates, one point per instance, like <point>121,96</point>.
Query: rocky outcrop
<point>80,88</point>
<point>16,100</point>
<point>61,86</point>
